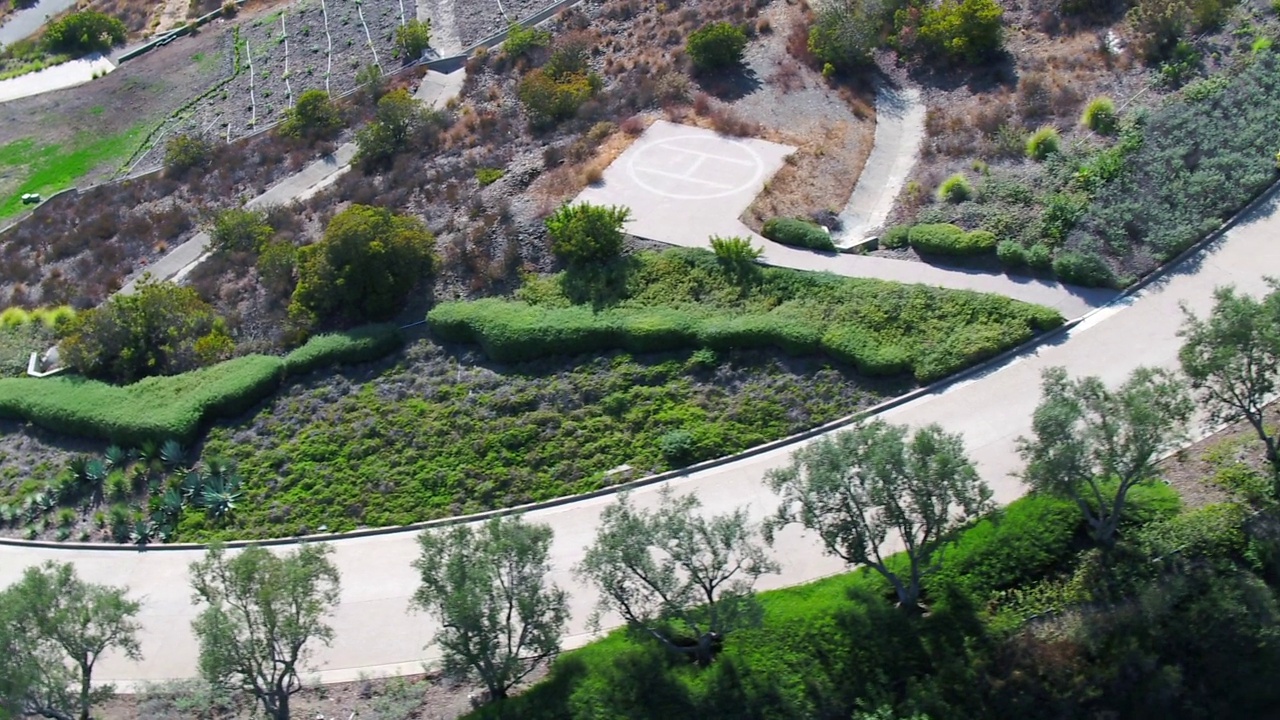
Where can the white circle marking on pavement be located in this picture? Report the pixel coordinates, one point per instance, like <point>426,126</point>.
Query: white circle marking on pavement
<point>690,184</point>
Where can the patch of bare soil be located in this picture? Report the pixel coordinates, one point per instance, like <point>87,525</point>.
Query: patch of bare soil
<point>1209,470</point>
<point>831,125</point>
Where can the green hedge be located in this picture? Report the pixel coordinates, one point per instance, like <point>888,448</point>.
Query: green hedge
<point>155,408</point>
<point>797,233</point>
<point>948,239</point>
<point>174,406</point>
<point>880,328</point>
<point>346,348</point>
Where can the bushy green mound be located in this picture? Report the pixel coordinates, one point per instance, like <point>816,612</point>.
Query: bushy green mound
<point>684,298</point>
<point>948,239</point>
<point>153,408</point>
<point>797,233</point>
<point>362,344</point>
<point>174,406</point>
<point>1025,621</point>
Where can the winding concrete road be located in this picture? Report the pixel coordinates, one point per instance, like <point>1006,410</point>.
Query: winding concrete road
<point>376,632</point>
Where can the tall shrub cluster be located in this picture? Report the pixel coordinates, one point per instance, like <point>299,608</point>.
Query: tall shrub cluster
<point>84,32</point>
<point>159,329</point>
<point>555,91</point>
<point>363,268</point>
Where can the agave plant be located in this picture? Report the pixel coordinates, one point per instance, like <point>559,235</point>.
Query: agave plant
<point>171,503</point>
<point>191,486</point>
<point>77,466</point>
<point>7,514</point>
<point>143,531</point>
<point>116,457</point>
<point>149,454</point>
<point>172,455</point>
<point>95,473</point>
<point>221,495</point>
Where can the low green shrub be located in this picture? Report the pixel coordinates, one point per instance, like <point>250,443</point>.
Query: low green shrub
<point>733,251</point>
<point>895,237</point>
<point>955,189</point>
<point>1100,116</point>
<point>362,344</point>
<point>948,239</point>
<point>155,408</point>
<point>1085,269</point>
<point>683,299</point>
<point>716,46</point>
<point>1011,254</point>
<point>174,406</point>
<point>1040,257</point>
<point>1042,143</point>
<point>797,233</point>
<point>487,176</point>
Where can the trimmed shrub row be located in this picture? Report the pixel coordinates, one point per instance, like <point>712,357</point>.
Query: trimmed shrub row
<point>160,408</point>
<point>948,239</point>
<point>513,331</point>
<point>362,344</point>
<point>797,233</point>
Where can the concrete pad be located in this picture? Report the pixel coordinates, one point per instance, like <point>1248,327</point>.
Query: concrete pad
<point>437,88</point>
<point>685,184</point>
<point>68,74</point>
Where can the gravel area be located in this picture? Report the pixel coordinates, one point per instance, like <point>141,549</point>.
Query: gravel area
<point>319,45</point>
<point>475,20</point>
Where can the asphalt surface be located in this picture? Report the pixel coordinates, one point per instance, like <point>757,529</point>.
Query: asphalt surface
<point>376,632</point>
<point>23,24</point>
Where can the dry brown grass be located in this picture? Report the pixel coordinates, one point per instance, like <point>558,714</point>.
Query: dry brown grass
<point>819,176</point>
<point>561,183</point>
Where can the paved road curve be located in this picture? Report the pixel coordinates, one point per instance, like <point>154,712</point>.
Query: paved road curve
<point>376,633</point>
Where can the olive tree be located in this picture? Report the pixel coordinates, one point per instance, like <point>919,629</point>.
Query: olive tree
<point>263,612</point>
<point>672,574</point>
<point>1093,444</point>
<point>487,586</point>
<point>53,629</point>
<point>1232,359</point>
<point>863,488</point>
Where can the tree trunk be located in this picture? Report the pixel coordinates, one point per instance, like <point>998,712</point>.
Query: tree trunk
<point>282,707</point>
<point>704,652</point>
<point>84,694</point>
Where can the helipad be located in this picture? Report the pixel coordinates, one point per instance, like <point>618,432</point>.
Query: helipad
<point>684,184</point>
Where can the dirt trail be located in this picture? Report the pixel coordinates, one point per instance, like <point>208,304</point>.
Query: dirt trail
<point>172,15</point>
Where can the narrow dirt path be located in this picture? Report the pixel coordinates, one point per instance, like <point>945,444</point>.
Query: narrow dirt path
<point>444,32</point>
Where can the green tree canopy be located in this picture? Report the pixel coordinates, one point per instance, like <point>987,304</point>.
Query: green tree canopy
<point>959,30</point>
<point>313,116</point>
<point>864,487</point>
<point>1232,358</point>
<point>846,32</point>
<point>160,329</point>
<point>399,123</point>
<point>671,573</point>
<point>583,233</point>
<point>84,32</point>
<point>500,618</point>
<point>364,266</point>
<point>413,38</point>
<point>240,229</point>
<point>1093,444</point>
<point>716,46</point>
<point>263,612</point>
<point>53,629</point>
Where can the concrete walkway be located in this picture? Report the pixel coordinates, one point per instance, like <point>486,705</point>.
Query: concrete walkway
<point>899,132</point>
<point>685,184</point>
<point>376,632</point>
<point>57,77</point>
<point>22,24</point>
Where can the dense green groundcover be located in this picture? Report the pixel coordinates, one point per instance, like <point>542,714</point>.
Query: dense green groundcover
<point>437,434</point>
<point>1025,621</point>
<point>173,407</point>
<point>685,298</point>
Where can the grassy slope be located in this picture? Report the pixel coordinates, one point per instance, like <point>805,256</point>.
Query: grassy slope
<point>50,168</point>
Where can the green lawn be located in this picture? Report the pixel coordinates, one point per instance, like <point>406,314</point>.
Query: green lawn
<point>46,169</point>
